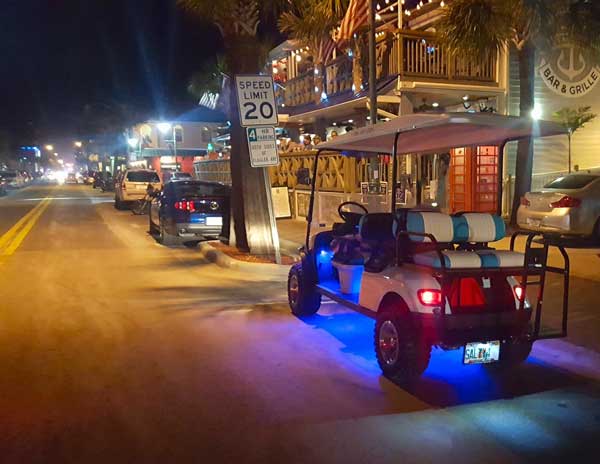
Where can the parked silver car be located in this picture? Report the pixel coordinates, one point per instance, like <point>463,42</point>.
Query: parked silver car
<point>569,205</point>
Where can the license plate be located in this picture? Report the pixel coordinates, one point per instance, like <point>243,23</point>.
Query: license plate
<point>482,353</point>
<point>214,221</point>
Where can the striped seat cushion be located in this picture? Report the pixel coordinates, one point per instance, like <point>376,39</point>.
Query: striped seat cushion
<point>501,258</point>
<point>452,259</point>
<point>484,227</point>
<point>443,227</point>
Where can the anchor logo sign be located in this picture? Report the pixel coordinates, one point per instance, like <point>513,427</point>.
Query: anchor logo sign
<point>570,70</point>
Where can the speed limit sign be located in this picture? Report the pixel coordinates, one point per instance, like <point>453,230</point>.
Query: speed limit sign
<point>256,100</point>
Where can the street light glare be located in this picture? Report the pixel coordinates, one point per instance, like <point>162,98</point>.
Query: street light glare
<point>78,144</point>
<point>133,141</point>
<point>164,127</point>
<point>49,147</point>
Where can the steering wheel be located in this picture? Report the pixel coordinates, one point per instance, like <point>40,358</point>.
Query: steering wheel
<point>350,217</point>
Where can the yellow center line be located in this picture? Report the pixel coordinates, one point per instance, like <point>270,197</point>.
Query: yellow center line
<point>13,238</point>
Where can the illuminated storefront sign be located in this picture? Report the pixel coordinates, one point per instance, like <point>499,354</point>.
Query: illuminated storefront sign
<point>569,71</point>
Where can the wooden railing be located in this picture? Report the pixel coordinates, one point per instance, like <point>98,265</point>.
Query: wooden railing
<point>422,56</point>
<point>300,90</point>
<point>411,55</point>
<point>338,75</point>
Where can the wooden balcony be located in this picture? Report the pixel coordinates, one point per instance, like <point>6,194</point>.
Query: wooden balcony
<point>410,55</point>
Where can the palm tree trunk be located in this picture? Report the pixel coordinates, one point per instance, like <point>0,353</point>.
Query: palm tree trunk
<point>249,207</point>
<point>524,164</point>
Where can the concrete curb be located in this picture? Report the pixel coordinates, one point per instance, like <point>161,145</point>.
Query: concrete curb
<point>213,255</point>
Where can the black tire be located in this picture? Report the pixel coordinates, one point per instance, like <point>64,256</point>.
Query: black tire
<point>402,352</point>
<point>191,243</point>
<point>596,232</point>
<point>166,238</point>
<point>303,298</point>
<point>151,227</point>
<point>120,205</point>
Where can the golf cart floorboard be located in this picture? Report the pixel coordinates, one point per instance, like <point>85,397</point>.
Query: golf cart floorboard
<point>331,289</point>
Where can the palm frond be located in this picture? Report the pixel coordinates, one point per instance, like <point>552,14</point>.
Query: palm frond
<point>477,28</point>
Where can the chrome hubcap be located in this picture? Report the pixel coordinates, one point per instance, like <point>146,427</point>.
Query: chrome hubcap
<point>388,342</point>
<point>293,289</point>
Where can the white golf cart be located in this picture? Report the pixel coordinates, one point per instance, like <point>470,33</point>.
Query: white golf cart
<point>428,278</point>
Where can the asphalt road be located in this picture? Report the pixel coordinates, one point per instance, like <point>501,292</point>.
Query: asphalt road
<point>116,349</point>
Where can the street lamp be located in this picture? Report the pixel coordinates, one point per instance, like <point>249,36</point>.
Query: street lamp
<point>78,144</point>
<point>165,127</point>
<point>132,141</point>
<point>49,147</point>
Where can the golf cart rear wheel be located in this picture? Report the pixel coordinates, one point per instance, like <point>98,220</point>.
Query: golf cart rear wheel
<point>402,352</point>
<point>303,298</point>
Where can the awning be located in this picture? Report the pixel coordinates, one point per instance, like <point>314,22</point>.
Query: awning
<point>421,133</point>
<point>149,152</point>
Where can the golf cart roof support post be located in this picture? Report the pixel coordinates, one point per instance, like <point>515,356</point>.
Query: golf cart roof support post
<point>312,198</point>
<point>394,172</point>
<point>500,174</point>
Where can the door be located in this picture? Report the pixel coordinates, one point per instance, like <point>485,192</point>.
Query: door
<point>474,179</point>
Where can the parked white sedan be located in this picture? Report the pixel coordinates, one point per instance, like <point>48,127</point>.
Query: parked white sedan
<point>569,205</point>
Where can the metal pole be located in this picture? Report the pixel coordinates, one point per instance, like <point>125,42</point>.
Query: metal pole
<point>272,220</point>
<point>311,203</point>
<point>372,65</point>
<point>394,171</point>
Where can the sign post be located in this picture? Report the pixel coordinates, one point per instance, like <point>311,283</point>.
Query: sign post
<point>258,114</point>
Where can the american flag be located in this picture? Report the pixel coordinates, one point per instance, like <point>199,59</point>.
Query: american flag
<point>325,51</point>
<point>356,15</point>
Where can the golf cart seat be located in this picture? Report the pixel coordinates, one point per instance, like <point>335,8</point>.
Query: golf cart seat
<point>377,238</point>
<point>485,228</point>
<point>436,235</point>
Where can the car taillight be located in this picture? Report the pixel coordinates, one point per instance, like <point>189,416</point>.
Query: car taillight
<point>124,186</point>
<point>525,201</point>
<point>185,206</point>
<point>518,292</point>
<point>429,297</point>
<point>566,202</point>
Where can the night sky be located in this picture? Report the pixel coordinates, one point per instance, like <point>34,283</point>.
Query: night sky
<point>59,55</point>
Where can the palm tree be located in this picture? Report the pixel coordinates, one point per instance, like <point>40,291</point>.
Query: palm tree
<point>573,120</point>
<point>238,22</point>
<point>481,28</point>
<point>311,24</point>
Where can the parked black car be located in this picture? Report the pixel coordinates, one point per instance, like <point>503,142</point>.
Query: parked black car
<point>104,181</point>
<point>190,211</point>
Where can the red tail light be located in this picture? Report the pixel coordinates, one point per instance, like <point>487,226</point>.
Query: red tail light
<point>185,206</point>
<point>525,201</point>
<point>429,297</point>
<point>566,202</point>
<point>518,292</point>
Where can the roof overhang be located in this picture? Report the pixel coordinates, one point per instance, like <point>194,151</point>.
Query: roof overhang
<point>426,133</point>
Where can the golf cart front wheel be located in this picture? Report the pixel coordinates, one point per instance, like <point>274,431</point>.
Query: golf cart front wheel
<point>303,298</point>
<point>402,352</point>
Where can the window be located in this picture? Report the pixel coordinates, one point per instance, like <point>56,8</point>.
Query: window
<point>206,134</point>
<point>193,189</point>
<point>142,176</point>
<point>179,134</point>
<point>575,181</point>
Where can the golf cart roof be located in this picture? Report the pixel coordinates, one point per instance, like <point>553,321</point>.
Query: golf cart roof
<point>426,133</point>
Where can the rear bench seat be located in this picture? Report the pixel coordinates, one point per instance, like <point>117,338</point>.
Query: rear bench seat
<point>467,228</point>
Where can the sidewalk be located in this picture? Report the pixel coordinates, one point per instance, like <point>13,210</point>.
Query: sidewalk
<point>292,235</point>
